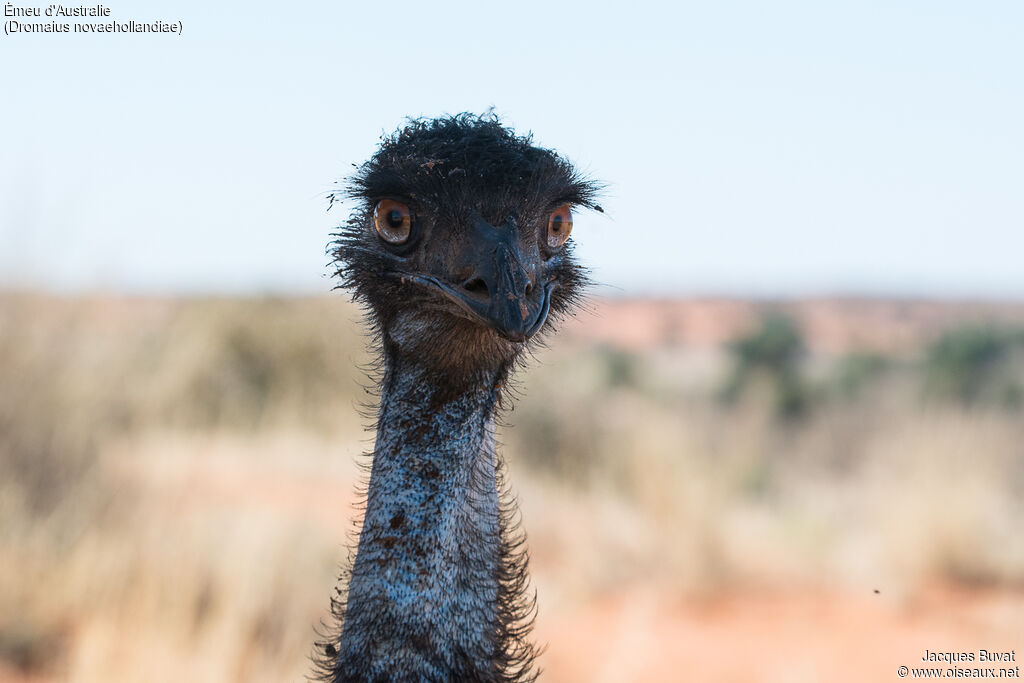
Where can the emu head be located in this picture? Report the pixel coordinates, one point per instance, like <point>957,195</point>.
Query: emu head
<point>460,246</point>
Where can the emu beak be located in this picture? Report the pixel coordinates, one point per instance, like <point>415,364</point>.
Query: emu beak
<point>501,293</point>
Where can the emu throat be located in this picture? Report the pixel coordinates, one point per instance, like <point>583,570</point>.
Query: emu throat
<point>425,589</point>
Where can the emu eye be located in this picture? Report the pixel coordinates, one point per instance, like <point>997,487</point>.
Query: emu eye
<point>393,221</point>
<point>559,226</point>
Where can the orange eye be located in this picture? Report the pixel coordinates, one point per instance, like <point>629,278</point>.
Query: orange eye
<point>559,226</point>
<point>393,221</point>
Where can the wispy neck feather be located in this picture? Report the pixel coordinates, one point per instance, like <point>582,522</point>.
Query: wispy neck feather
<point>438,587</point>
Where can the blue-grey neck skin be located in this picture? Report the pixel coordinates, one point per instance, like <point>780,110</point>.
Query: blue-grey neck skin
<point>436,591</point>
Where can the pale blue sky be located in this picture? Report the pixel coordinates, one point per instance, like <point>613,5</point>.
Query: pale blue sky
<point>751,148</point>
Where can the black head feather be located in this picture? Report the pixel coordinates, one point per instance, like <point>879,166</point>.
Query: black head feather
<point>461,176</point>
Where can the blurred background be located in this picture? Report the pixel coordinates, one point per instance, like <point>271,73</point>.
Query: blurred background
<point>784,441</point>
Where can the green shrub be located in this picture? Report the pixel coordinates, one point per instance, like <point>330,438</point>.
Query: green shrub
<point>974,364</point>
<point>772,352</point>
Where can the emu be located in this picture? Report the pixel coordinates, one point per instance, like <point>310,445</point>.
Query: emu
<point>459,252</point>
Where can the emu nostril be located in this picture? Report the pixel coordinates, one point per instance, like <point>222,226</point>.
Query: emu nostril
<point>529,288</point>
<point>476,286</point>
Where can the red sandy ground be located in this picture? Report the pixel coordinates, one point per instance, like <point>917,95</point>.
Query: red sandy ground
<point>774,638</point>
<point>792,637</point>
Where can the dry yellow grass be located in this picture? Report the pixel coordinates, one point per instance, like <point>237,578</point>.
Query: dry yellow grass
<point>177,481</point>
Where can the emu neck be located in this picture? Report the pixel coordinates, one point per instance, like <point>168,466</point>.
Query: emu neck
<point>423,601</point>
